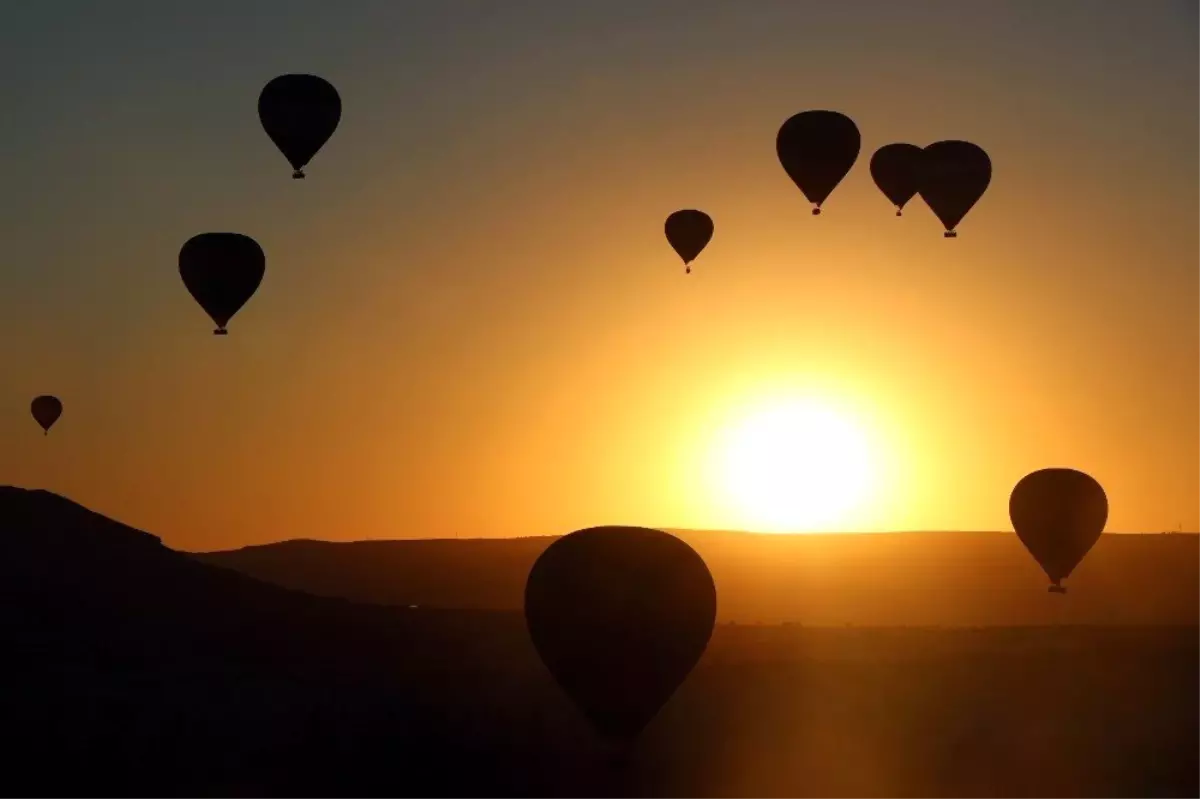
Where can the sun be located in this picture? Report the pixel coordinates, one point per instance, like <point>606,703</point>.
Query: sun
<point>793,467</point>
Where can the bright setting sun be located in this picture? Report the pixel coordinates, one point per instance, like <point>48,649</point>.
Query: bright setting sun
<point>794,466</point>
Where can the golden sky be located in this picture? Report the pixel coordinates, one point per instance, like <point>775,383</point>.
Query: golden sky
<point>471,323</point>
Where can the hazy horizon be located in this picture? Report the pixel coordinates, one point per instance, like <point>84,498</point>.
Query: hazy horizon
<point>470,320</point>
<point>685,530</point>
<point>166,537</point>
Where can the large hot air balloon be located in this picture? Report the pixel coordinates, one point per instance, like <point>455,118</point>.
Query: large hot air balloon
<point>1058,515</point>
<point>46,409</point>
<point>817,149</point>
<point>954,175</point>
<point>299,113</point>
<point>894,168</point>
<point>620,615</point>
<point>689,232</point>
<point>221,271</point>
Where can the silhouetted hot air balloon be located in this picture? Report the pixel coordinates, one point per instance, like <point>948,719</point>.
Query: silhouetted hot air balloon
<point>1058,515</point>
<point>894,168</point>
<point>221,271</point>
<point>689,232</point>
<point>620,615</point>
<point>46,409</point>
<point>817,149</point>
<point>954,175</point>
<point>299,113</point>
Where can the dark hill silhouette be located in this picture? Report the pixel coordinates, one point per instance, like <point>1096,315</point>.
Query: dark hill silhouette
<point>72,570</point>
<point>947,579</point>
<point>105,627</point>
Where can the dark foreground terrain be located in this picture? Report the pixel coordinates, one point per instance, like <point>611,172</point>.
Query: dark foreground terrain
<point>136,670</point>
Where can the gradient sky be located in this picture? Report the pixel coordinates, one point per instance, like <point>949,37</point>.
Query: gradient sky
<point>471,323</point>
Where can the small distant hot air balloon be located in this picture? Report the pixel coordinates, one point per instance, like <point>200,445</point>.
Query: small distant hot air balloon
<point>46,409</point>
<point>1059,515</point>
<point>954,175</point>
<point>221,271</point>
<point>689,232</point>
<point>299,113</point>
<point>817,149</point>
<point>895,169</point>
<point>620,615</point>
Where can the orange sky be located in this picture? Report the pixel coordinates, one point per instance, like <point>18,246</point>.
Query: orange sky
<point>471,323</point>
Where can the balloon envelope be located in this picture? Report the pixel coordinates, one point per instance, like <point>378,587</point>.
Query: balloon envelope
<point>817,149</point>
<point>221,271</point>
<point>46,409</point>
<point>895,169</point>
<point>689,232</point>
<point>299,113</point>
<point>1058,515</point>
<point>954,175</point>
<point>620,615</point>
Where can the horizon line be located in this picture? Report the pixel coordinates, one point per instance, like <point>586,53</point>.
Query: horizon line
<point>696,530</point>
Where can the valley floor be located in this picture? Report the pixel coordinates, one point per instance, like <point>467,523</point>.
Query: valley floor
<point>770,711</point>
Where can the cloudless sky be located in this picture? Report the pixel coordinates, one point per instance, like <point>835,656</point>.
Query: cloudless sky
<point>471,323</point>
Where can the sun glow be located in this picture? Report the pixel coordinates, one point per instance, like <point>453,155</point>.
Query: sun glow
<point>793,467</point>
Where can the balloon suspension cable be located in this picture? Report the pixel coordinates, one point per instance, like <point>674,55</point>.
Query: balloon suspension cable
<point>617,763</point>
<point>619,756</point>
<point>298,175</point>
<point>950,234</point>
<point>220,331</point>
<point>817,211</point>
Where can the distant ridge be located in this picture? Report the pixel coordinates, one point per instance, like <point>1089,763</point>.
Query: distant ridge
<point>480,574</point>
<point>886,579</point>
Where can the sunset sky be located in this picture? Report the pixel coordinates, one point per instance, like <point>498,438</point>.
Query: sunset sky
<point>471,323</point>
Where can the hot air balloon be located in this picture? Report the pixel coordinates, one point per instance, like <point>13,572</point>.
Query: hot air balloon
<point>620,615</point>
<point>46,409</point>
<point>1058,515</point>
<point>221,271</point>
<point>817,149</point>
<point>894,168</point>
<point>299,113</point>
<point>689,232</point>
<point>954,175</point>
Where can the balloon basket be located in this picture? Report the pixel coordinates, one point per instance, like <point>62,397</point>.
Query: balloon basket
<point>950,234</point>
<point>1057,589</point>
<point>816,212</point>
<point>220,331</point>
<point>618,755</point>
<point>899,213</point>
<point>297,175</point>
